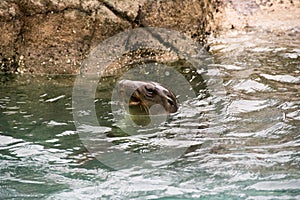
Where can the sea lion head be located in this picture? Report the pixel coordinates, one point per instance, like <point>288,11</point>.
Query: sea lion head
<point>142,95</point>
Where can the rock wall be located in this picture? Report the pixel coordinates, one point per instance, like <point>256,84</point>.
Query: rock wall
<point>54,36</point>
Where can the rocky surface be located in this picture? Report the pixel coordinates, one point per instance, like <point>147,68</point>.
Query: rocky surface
<point>55,36</point>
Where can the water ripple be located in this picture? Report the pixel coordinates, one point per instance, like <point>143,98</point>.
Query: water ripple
<point>282,78</point>
<point>242,146</point>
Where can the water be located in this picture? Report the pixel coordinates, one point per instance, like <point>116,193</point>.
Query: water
<point>247,149</point>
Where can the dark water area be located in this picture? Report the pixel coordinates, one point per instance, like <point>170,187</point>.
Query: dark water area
<point>242,146</point>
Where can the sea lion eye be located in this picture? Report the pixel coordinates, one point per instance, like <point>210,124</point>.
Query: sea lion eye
<point>149,91</point>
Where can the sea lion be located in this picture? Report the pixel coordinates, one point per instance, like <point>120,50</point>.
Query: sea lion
<point>142,97</point>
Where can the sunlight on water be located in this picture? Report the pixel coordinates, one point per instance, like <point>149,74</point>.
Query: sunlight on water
<point>244,146</point>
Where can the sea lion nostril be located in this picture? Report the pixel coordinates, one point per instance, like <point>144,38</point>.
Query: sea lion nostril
<point>171,102</point>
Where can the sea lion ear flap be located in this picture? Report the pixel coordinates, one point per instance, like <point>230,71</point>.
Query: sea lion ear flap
<point>139,109</point>
<point>134,103</point>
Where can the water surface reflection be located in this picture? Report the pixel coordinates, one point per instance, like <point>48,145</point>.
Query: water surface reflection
<point>251,152</point>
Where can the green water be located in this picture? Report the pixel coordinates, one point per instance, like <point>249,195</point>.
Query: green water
<point>250,152</point>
